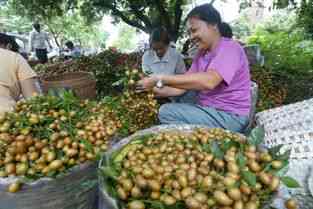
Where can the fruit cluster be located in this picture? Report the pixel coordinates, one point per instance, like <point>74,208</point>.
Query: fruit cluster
<point>201,170</point>
<point>271,94</point>
<point>137,110</point>
<point>47,135</point>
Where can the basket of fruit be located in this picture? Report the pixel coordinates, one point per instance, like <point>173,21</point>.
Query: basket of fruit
<point>82,83</point>
<point>49,147</point>
<point>190,167</point>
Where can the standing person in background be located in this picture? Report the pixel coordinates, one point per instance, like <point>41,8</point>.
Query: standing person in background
<point>38,41</point>
<point>16,77</point>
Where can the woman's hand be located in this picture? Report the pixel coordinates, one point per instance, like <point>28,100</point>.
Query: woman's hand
<point>147,83</point>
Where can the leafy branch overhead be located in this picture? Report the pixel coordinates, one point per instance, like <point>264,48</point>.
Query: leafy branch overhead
<point>143,15</point>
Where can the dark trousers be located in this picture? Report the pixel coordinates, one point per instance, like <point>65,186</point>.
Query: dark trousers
<point>42,55</point>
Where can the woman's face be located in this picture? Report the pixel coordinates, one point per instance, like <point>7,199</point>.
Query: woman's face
<point>202,33</point>
<point>160,48</point>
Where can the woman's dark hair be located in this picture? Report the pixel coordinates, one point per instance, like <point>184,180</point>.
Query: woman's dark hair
<point>4,39</point>
<point>210,15</point>
<point>226,30</point>
<point>9,40</point>
<point>69,44</point>
<point>160,34</point>
<point>207,13</point>
<point>37,27</point>
<point>13,45</point>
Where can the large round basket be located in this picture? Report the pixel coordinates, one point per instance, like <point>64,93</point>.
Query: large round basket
<point>82,83</point>
<point>75,190</point>
<point>105,200</point>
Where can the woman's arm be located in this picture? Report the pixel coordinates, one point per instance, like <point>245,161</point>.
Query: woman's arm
<point>191,81</point>
<point>30,87</point>
<point>167,91</point>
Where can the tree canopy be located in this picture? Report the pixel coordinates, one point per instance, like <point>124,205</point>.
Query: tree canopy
<point>61,24</point>
<point>142,14</point>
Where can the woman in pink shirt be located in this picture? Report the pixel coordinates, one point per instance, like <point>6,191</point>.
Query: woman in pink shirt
<point>219,72</point>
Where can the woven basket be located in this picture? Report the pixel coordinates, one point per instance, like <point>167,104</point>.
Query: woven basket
<point>82,83</point>
<point>300,143</point>
<point>289,117</point>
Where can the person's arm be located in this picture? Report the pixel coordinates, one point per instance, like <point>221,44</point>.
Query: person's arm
<point>167,91</point>
<point>191,81</point>
<point>146,63</point>
<point>31,37</point>
<point>27,78</point>
<point>180,67</point>
<point>221,69</point>
<point>48,40</point>
<point>29,87</point>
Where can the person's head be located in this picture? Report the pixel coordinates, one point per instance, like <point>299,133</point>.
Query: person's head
<point>13,46</point>
<point>159,41</point>
<point>36,26</point>
<point>69,45</point>
<point>8,42</point>
<point>203,24</point>
<point>226,30</point>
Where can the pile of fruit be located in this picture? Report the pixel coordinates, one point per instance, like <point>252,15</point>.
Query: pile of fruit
<point>47,135</point>
<point>199,170</point>
<point>271,94</point>
<point>137,110</point>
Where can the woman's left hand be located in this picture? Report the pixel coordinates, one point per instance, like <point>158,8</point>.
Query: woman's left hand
<point>146,83</point>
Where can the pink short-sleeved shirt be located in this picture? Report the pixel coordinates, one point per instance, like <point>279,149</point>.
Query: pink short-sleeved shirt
<point>229,60</point>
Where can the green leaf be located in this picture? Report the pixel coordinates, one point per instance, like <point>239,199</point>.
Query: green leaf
<point>121,154</point>
<point>249,177</point>
<point>241,160</point>
<point>206,148</point>
<point>155,204</point>
<point>88,145</point>
<point>142,139</point>
<point>216,150</point>
<point>109,172</point>
<point>119,82</point>
<point>257,136</point>
<point>285,156</point>
<point>268,167</point>
<point>290,182</point>
<point>274,151</point>
<point>284,169</point>
<point>228,144</point>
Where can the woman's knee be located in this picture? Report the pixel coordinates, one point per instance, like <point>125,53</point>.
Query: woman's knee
<point>166,112</point>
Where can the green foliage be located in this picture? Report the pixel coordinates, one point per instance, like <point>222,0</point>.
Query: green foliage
<point>290,182</point>
<point>257,136</point>
<point>305,15</point>
<point>283,51</point>
<point>249,177</point>
<point>143,15</point>
<point>242,26</point>
<point>13,23</point>
<point>287,73</point>
<point>126,36</point>
<point>62,25</point>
